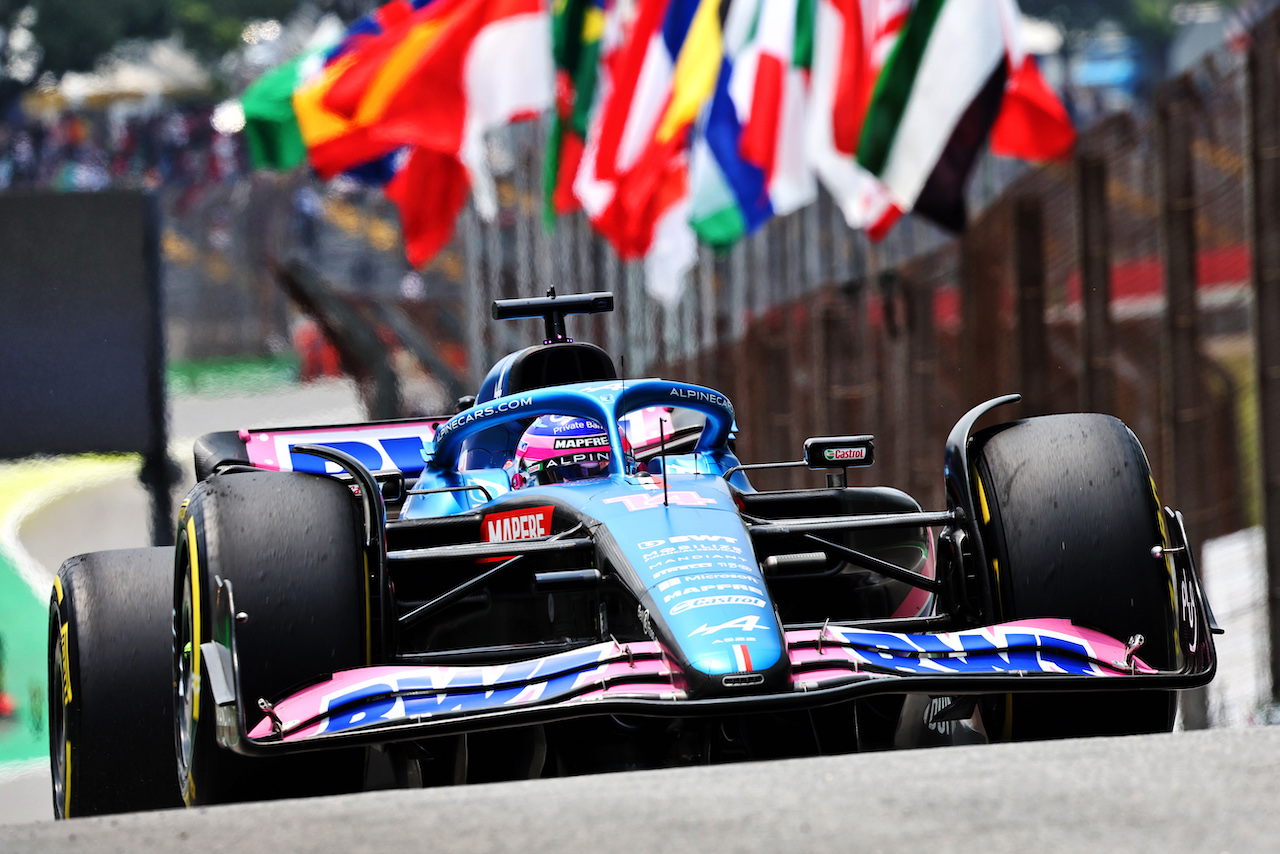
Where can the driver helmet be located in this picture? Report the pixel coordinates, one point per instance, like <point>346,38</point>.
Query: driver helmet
<point>559,448</point>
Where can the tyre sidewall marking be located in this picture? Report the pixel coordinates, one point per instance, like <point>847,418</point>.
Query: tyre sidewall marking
<point>192,579</point>
<point>62,607</point>
<point>1173,574</point>
<point>989,536</point>
<point>194,569</point>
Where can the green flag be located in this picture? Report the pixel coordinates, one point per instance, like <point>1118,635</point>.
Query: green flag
<point>270,126</point>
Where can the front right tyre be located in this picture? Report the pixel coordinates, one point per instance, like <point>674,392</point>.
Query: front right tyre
<point>1069,520</point>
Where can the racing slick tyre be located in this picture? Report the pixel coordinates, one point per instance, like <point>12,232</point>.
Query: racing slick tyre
<point>110,693</point>
<point>1069,517</point>
<point>292,546</point>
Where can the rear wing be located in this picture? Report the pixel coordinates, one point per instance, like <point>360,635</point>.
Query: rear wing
<point>383,447</point>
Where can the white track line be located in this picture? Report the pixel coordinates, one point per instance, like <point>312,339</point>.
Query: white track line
<point>63,476</point>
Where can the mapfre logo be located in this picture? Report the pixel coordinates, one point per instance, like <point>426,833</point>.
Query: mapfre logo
<point>527,523</point>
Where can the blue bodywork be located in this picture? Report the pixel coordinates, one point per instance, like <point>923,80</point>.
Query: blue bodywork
<point>677,540</point>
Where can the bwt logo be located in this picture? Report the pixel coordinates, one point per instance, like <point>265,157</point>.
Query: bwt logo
<point>401,453</point>
<point>688,538</point>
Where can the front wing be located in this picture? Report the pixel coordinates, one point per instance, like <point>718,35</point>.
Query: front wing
<point>829,665</point>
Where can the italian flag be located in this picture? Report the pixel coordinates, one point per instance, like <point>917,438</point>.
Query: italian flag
<point>577,31</point>
<point>770,89</point>
<point>935,103</point>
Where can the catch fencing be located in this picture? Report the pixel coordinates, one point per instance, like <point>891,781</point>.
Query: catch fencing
<point>1118,281</point>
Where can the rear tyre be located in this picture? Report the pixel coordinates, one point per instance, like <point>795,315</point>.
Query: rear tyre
<point>291,546</point>
<point>1069,518</point>
<point>110,694</point>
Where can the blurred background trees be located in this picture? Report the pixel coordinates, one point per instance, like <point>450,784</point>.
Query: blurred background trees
<point>73,34</point>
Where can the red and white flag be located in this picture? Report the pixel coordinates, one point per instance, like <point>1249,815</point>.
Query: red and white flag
<point>634,178</point>
<point>852,39</point>
<point>771,95</point>
<point>490,64</point>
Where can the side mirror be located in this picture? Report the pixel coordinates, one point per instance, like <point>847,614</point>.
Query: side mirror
<point>839,452</point>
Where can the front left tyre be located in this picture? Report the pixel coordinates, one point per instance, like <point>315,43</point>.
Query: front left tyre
<point>110,694</point>
<point>291,545</point>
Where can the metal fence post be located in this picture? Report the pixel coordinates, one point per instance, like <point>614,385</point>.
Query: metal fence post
<point>1028,281</point>
<point>923,481</point>
<point>980,315</point>
<point>1263,113</point>
<point>1178,251</point>
<point>1186,391</point>
<point>1097,375</point>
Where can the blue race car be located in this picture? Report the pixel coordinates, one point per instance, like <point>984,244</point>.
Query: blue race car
<point>575,574</point>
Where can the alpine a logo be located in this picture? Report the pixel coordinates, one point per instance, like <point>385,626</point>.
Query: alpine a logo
<point>845,454</point>
<point>527,523</point>
<point>749,623</point>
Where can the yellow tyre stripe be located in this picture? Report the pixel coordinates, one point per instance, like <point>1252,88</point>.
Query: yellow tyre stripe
<point>995,568</point>
<point>65,642</point>
<point>1169,568</point>
<point>57,588</point>
<point>195,619</point>
<point>982,501</point>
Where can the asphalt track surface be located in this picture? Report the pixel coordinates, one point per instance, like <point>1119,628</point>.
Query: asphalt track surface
<point>1204,792</point>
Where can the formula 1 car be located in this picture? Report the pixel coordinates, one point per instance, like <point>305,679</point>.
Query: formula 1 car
<point>425,602</point>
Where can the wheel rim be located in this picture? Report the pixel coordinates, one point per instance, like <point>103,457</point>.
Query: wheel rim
<point>185,690</point>
<point>59,743</point>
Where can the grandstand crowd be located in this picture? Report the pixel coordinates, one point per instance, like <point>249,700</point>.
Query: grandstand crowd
<point>88,151</point>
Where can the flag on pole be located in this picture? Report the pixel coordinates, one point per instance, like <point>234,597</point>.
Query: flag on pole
<point>1033,123</point>
<point>770,88</point>
<point>431,85</point>
<point>577,33</point>
<point>852,39</point>
<point>749,161</point>
<point>936,102</point>
<point>340,106</point>
<point>634,182</point>
<point>270,124</point>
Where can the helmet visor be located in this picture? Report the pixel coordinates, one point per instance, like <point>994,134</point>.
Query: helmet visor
<point>570,467</point>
